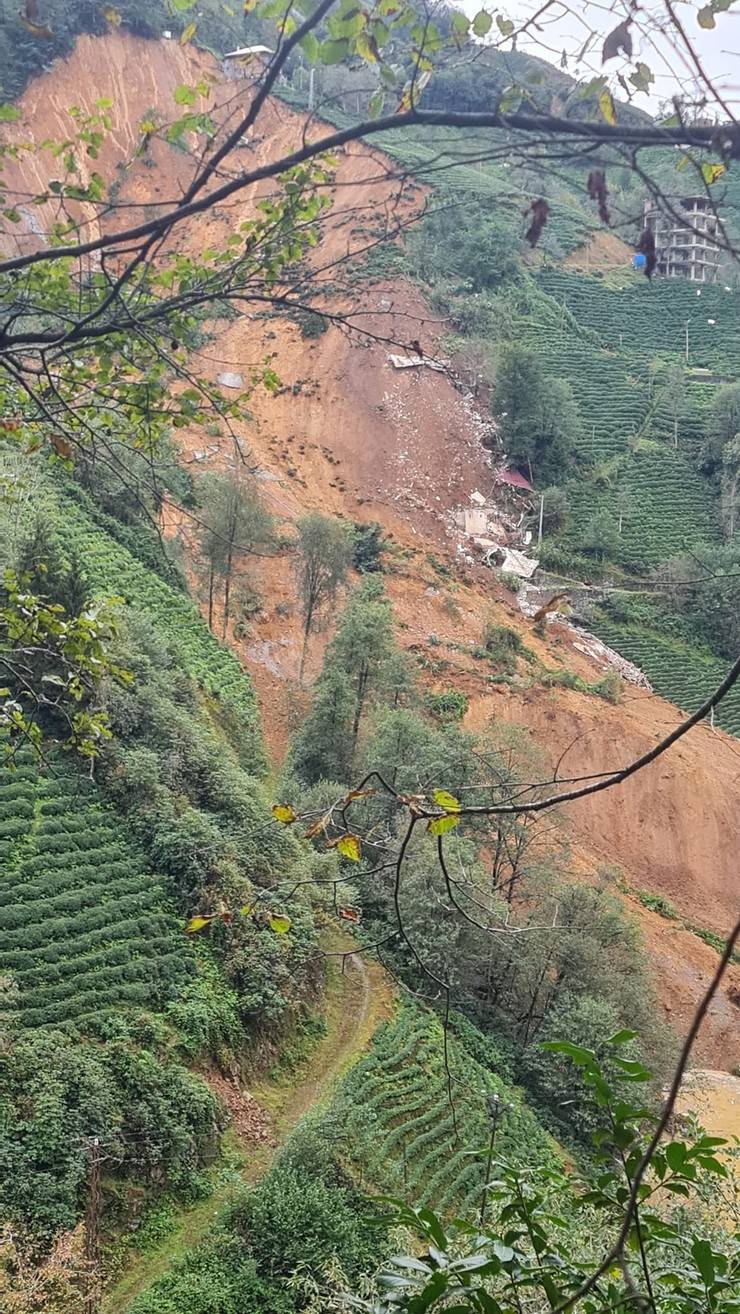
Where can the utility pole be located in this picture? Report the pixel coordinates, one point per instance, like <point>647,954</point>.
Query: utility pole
<point>493,1104</point>
<point>92,1226</point>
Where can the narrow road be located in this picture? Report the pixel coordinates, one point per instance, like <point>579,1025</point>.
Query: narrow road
<point>356,1001</point>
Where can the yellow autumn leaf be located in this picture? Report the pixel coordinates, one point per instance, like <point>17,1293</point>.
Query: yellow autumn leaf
<point>283,812</point>
<point>279,923</point>
<point>446,801</point>
<point>440,825</point>
<point>349,847</point>
<point>711,172</point>
<point>187,33</point>
<point>196,924</point>
<point>606,107</point>
<point>111,15</point>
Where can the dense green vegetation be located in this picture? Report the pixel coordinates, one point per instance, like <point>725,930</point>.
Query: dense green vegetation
<point>112,571</point>
<point>84,926</point>
<point>394,1124</point>
<point>101,876</point>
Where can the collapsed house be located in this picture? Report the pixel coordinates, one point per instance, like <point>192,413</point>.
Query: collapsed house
<point>496,524</point>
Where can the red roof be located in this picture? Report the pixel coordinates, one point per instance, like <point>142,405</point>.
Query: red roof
<point>514,478</point>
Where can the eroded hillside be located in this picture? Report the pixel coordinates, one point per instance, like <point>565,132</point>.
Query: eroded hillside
<point>349,434</point>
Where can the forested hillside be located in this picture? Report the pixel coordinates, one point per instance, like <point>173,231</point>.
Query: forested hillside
<point>344,960</point>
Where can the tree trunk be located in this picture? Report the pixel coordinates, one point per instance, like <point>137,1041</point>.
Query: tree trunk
<point>362,680</point>
<point>227,593</point>
<point>304,649</point>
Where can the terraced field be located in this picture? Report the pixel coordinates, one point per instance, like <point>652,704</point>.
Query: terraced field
<point>665,506</point>
<point>113,571</point>
<point>678,672</point>
<point>411,1134</point>
<point>84,927</point>
<point>648,318</point>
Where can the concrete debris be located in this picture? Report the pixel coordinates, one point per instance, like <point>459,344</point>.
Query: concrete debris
<point>477,498</point>
<point>414,363</point>
<point>229,380</point>
<point>530,598</point>
<point>511,561</point>
<point>593,647</point>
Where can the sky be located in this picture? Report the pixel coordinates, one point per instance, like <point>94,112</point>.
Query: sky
<point>566,27</point>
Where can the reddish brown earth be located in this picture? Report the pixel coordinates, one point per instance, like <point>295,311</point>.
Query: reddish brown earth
<point>349,435</point>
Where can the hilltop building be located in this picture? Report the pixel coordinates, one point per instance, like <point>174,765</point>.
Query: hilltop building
<point>685,250</point>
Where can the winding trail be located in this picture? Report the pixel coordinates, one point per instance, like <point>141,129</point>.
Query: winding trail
<point>356,1000</point>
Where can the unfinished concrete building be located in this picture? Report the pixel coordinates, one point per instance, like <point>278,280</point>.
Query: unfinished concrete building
<point>685,249</point>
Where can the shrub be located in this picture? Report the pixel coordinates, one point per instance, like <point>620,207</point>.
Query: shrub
<point>311,324</point>
<point>450,705</point>
<point>503,645</point>
<point>657,903</point>
<point>219,1278</point>
<point>367,548</point>
<point>295,1219</point>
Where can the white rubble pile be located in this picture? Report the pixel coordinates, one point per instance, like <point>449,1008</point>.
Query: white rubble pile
<point>530,599</point>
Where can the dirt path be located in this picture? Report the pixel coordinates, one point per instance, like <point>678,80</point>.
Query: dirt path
<point>356,1000</point>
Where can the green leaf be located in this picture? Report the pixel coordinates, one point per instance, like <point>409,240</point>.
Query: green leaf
<point>675,1155</point>
<point>184,95</point>
<point>375,104</point>
<point>445,800</point>
<point>705,17</point>
<point>459,22</point>
<point>333,52</point>
<point>504,25</point>
<point>581,1057</point>
<point>642,78</point>
<point>622,1037</point>
<point>310,47</point>
<point>712,1165</point>
<point>349,847</point>
<point>280,923</point>
<point>633,1069</point>
<point>701,1253</point>
<point>606,107</point>
<point>440,825</point>
<point>482,23</point>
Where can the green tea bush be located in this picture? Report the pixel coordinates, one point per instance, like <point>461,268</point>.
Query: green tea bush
<point>85,924</point>
<point>217,1278</point>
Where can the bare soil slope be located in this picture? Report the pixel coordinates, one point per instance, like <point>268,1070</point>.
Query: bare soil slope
<point>350,435</point>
